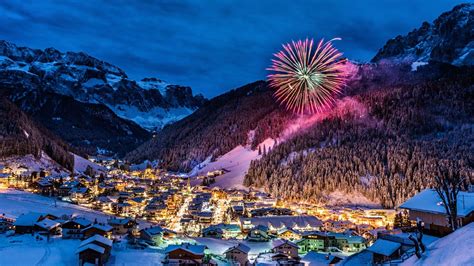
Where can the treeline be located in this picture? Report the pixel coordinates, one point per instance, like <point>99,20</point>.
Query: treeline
<point>216,128</point>
<point>413,132</point>
<point>19,135</point>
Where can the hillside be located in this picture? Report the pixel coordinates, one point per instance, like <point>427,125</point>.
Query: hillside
<point>21,136</point>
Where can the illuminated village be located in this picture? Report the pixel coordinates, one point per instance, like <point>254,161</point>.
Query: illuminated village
<point>160,210</point>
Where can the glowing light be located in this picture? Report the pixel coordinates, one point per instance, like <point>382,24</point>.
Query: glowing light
<point>306,78</point>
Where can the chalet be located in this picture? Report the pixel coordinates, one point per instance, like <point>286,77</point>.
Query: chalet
<point>186,254</point>
<point>47,226</point>
<point>152,235</point>
<point>314,240</point>
<point>94,250</point>
<point>97,229</point>
<point>203,217</point>
<point>384,250</point>
<point>238,255</point>
<point>80,195</point>
<point>73,228</point>
<point>122,225</point>
<point>285,247</point>
<point>347,242</point>
<point>288,234</point>
<point>428,207</point>
<point>6,223</point>
<point>260,233</point>
<point>44,187</point>
<point>225,231</point>
<point>315,258</point>
<point>25,223</point>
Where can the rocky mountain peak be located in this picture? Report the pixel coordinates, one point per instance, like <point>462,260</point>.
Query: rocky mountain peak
<point>449,39</point>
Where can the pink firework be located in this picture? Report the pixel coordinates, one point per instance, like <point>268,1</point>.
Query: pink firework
<point>306,78</point>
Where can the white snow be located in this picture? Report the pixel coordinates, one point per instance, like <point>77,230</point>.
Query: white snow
<point>32,163</point>
<point>155,118</point>
<point>236,162</point>
<point>416,64</point>
<point>92,82</point>
<point>154,85</point>
<point>80,165</point>
<point>454,249</point>
<point>337,197</point>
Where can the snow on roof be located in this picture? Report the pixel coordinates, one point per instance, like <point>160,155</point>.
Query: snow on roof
<point>315,258</point>
<point>428,200</point>
<point>28,219</point>
<point>241,247</point>
<point>102,227</point>
<point>81,221</point>
<point>119,221</point>
<point>47,224</point>
<point>97,238</point>
<point>286,221</point>
<point>155,230</point>
<point>194,249</point>
<point>384,247</point>
<point>279,242</point>
<point>453,249</point>
<point>94,247</point>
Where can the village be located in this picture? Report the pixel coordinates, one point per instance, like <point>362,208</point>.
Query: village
<point>147,209</point>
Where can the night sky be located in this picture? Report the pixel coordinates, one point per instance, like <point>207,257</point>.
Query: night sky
<point>212,46</point>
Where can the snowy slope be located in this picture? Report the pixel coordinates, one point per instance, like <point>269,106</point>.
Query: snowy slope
<point>80,165</point>
<point>236,162</point>
<point>454,249</point>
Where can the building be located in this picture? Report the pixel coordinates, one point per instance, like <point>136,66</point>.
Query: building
<point>121,226</point>
<point>313,258</point>
<point>275,223</point>
<point>384,251</point>
<point>47,226</point>
<point>225,231</point>
<point>186,254</point>
<point>25,223</point>
<point>97,229</point>
<point>152,235</point>
<point>238,255</point>
<point>428,207</point>
<point>259,234</point>
<point>286,248</point>
<point>94,250</point>
<point>73,228</point>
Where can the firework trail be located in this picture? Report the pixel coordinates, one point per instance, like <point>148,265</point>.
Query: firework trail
<point>307,77</point>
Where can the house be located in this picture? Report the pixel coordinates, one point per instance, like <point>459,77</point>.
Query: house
<point>73,228</point>
<point>347,242</point>
<point>25,223</point>
<point>94,250</point>
<point>238,255</point>
<point>47,226</point>
<point>97,229</point>
<point>225,231</point>
<point>152,235</point>
<point>286,248</point>
<point>122,226</point>
<point>6,223</point>
<point>260,233</point>
<point>313,258</point>
<point>288,234</point>
<point>186,254</point>
<point>428,207</point>
<point>314,240</point>
<point>384,250</point>
<point>80,194</point>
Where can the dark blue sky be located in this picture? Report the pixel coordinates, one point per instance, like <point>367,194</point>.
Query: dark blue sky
<point>212,46</point>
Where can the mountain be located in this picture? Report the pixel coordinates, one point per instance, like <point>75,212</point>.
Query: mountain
<point>449,39</point>
<point>19,135</point>
<point>393,129</point>
<point>88,102</point>
<point>216,128</point>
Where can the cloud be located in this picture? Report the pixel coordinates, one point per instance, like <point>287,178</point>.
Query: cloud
<point>212,46</point>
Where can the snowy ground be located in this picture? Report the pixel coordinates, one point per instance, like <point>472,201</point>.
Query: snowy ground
<point>454,249</point>
<point>80,165</point>
<point>26,250</point>
<point>338,198</point>
<point>237,162</point>
<point>14,203</point>
<point>33,163</point>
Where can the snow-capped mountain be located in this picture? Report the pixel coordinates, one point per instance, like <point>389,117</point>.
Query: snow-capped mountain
<point>449,39</point>
<point>151,103</point>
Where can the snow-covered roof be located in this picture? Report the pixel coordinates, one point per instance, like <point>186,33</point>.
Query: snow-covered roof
<point>286,221</point>
<point>384,247</point>
<point>94,247</point>
<point>428,200</point>
<point>315,258</point>
<point>241,247</point>
<point>47,224</point>
<point>81,221</point>
<point>28,219</point>
<point>103,227</point>
<point>119,221</point>
<point>155,230</point>
<point>97,238</point>
<point>194,249</point>
<point>279,242</point>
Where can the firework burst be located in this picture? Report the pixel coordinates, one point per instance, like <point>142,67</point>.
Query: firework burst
<point>307,77</point>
